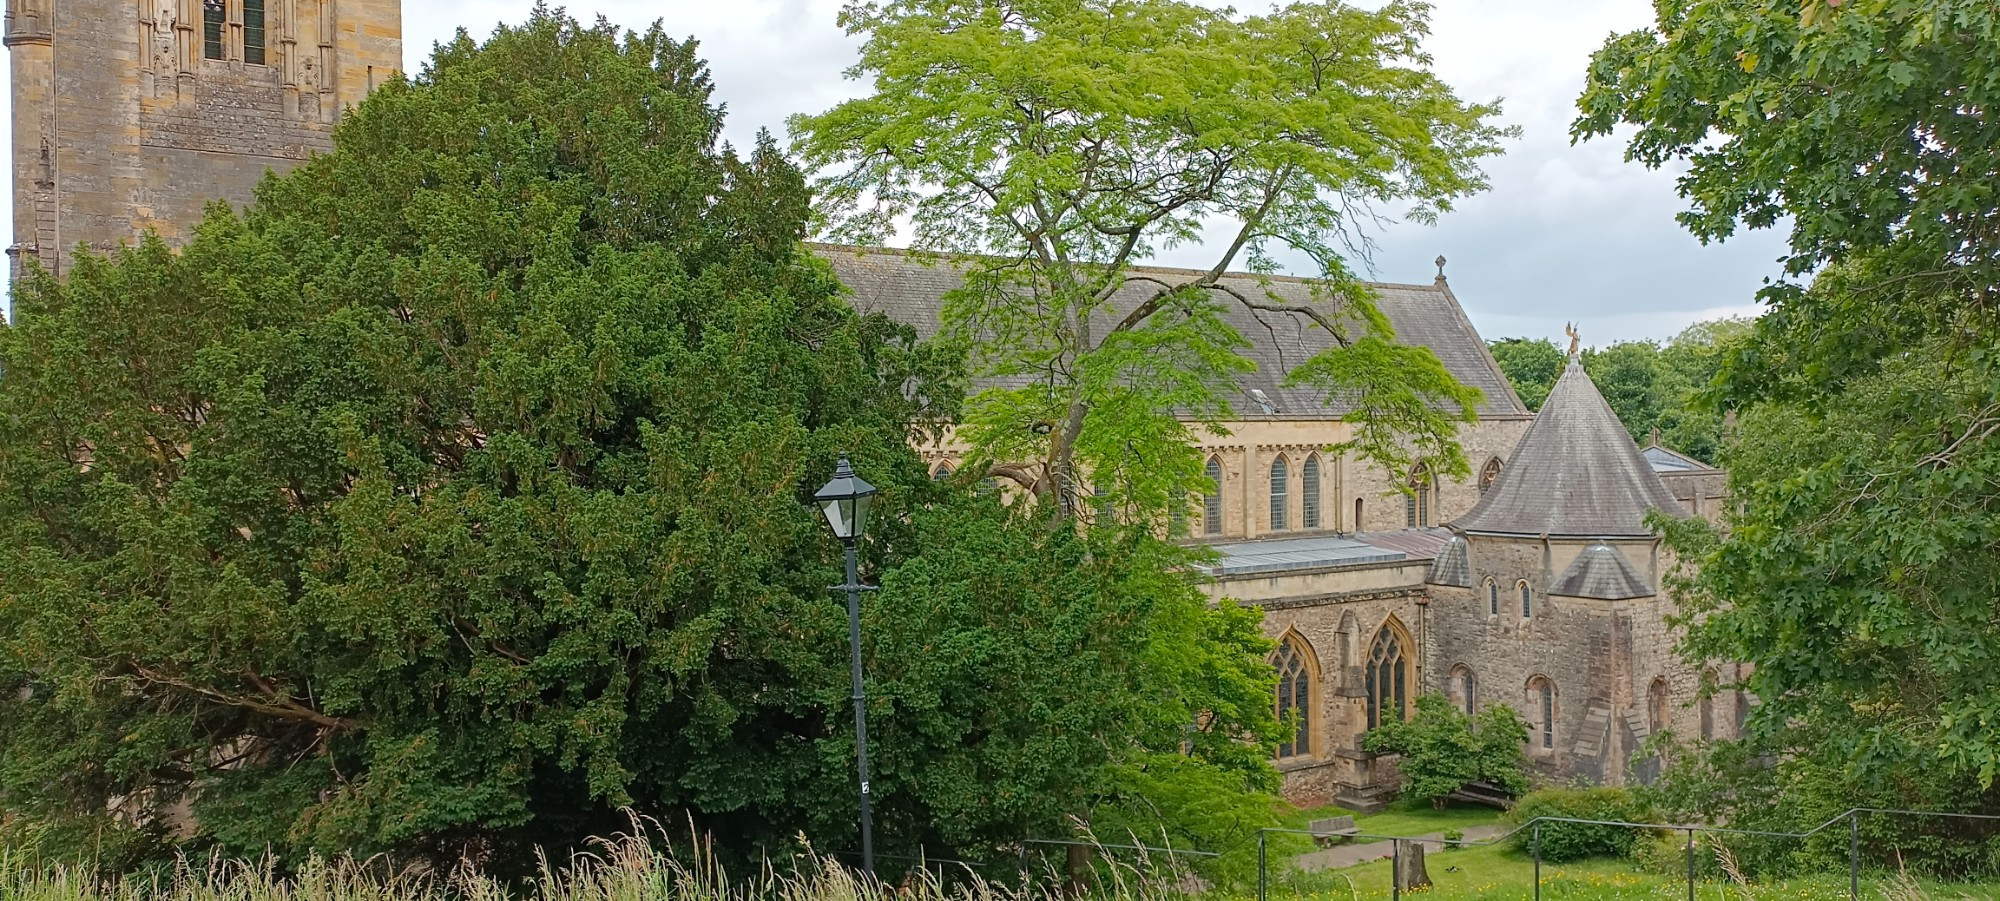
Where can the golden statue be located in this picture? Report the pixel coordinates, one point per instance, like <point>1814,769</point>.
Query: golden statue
<point>1569,328</point>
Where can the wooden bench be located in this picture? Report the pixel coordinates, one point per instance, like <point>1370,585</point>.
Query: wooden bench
<point>1332,831</point>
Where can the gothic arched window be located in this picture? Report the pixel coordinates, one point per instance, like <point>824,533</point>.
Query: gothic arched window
<point>1309,490</point>
<point>1489,475</point>
<point>1358,510</point>
<point>1492,598</point>
<point>1417,503</point>
<point>943,472</point>
<point>1542,709</point>
<point>1527,598</point>
<point>1294,695</point>
<point>1658,711</point>
<point>1388,676</point>
<point>1465,687</point>
<point>1707,705</point>
<point>1280,494</point>
<point>1211,503</point>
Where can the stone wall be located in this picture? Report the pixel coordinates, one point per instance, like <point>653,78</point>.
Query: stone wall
<point>121,124</point>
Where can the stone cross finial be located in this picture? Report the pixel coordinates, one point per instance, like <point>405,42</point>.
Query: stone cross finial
<point>1440,265</point>
<point>1569,328</point>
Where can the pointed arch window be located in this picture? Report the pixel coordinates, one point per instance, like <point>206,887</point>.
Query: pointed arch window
<point>1527,598</point>
<point>943,472</point>
<point>1423,492</point>
<point>1542,708</point>
<point>1177,514</point>
<point>1657,709</point>
<point>1465,687</point>
<point>1280,494</point>
<point>1294,696</point>
<point>1489,475</point>
<point>1492,598</point>
<point>1388,676</point>
<point>1707,704</point>
<point>1309,491</point>
<point>1211,503</point>
<point>1358,510</point>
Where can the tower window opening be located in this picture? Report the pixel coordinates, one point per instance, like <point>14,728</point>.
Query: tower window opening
<point>253,32</point>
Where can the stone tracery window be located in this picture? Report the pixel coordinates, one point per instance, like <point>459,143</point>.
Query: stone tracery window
<point>1309,490</point>
<point>1280,494</point>
<point>1527,599</point>
<point>1211,503</point>
<point>1423,492</point>
<point>1387,676</point>
<point>943,471</point>
<point>1489,475</point>
<point>1294,695</point>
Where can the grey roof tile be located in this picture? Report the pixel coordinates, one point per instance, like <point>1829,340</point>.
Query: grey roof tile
<point>910,286</point>
<point>1601,572</point>
<point>1452,565</point>
<point>1575,473</point>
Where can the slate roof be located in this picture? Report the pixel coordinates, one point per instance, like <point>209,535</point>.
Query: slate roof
<point>1576,473</point>
<point>910,286</point>
<point>1279,554</point>
<point>1664,460</point>
<point>1452,565</point>
<point>1601,572</point>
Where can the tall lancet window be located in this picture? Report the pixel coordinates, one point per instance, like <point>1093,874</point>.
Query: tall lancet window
<point>1388,677</point>
<point>1309,490</point>
<point>1280,495</point>
<point>253,31</point>
<point>1294,696</point>
<point>214,21</point>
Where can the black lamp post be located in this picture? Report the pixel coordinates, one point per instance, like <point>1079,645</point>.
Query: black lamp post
<point>845,502</point>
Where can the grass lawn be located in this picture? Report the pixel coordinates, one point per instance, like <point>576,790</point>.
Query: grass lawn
<point>1495,873</point>
<point>1404,818</point>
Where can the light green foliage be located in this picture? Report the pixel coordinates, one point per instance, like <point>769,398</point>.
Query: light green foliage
<point>1858,576</point>
<point>1561,841</point>
<point>1048,146</point>
<point>454,498</point>
<point>1532,365</point>
<point>1443,748</point>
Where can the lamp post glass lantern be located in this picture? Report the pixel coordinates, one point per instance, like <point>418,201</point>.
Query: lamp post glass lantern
<point>845,502</point>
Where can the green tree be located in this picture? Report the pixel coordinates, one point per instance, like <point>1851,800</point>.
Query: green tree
<point>1858,573</point>
<point>1444,749</point>
<point>1532,366</point>
<point>1052,145</point>
<point>453,498</point>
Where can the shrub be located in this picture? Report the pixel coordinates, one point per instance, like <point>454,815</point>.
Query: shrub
<point>1576,841</point>
<point>1444,749</point>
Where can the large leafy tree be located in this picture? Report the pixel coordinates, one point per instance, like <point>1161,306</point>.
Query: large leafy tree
<point>1532,366</point>
<point>1053,144</point>
<point>1858,575</point>
<point>453,498</point>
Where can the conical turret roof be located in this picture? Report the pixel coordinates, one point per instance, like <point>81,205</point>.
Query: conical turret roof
<point>1576,473</point>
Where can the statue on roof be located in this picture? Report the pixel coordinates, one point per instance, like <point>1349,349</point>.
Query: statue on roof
<point>1569,328</point>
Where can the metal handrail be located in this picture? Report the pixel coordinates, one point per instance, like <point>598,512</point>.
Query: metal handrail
<point>1852,815</point>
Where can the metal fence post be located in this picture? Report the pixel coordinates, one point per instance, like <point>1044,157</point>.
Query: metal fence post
<point>1538,860</point>
<point>1263,872</point>
<point>1690,865</point>
<point>1854,854</point>
<point>1396,869</point>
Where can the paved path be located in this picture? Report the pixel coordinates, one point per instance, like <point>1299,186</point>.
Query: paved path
<point>1348,855</point>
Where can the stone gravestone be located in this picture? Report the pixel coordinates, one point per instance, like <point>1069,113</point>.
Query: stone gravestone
<point>1410,872</point>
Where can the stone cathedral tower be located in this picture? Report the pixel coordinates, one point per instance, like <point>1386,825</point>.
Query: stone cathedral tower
<point>134,114</point>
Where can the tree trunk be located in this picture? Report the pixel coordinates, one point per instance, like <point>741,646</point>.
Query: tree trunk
<point>1410,871</point>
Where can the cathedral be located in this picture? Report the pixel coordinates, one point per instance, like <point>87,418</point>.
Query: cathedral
<point>1535,582</point>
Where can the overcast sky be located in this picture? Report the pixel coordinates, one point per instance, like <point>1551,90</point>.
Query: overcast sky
<point>1565,232</point>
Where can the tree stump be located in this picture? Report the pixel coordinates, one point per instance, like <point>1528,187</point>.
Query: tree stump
<point>1410,872</point>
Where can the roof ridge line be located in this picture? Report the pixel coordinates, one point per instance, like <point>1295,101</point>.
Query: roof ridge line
<point>1167,270</point>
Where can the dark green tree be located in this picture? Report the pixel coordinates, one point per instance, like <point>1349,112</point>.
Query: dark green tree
<point>453,498</point>
<point>1858,576</point>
